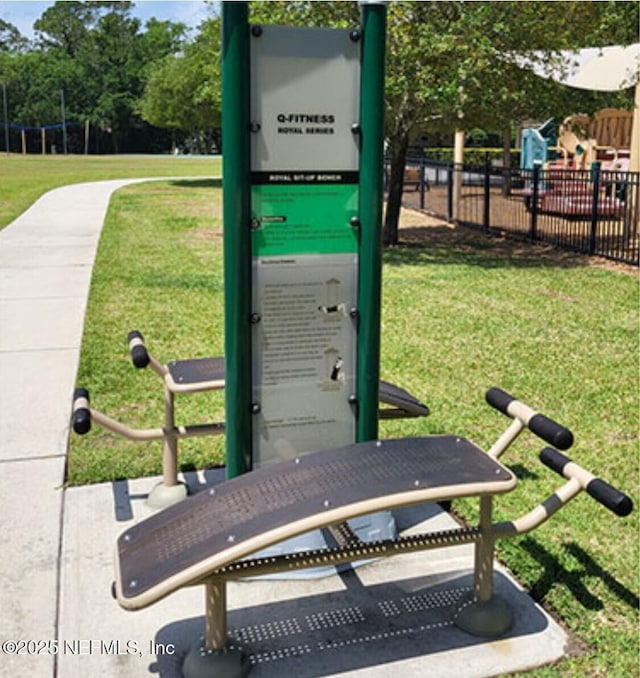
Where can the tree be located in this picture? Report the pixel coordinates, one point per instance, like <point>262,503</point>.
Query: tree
<point>11,40</point>
<point>65,26</point>
<point>449,63</point>
<point>183,92</point>
<point>98,53</point>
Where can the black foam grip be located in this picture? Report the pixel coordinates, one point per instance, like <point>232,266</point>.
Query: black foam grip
<point>81,415</point>
<point>610,497</point>
<point>82,421</point>
<point>499,399</point>
<point>554,460</point>
<point>551,432</point>
<point>80,393</point>
<point>139,353</point>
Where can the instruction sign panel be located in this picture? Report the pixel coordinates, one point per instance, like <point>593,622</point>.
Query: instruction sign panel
<point>304,175</point>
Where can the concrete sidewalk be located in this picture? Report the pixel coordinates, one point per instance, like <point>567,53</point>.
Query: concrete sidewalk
<point>46,259</point>
<point>58,545</point>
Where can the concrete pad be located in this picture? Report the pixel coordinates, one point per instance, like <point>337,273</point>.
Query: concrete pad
<point>30,508</point>
<point>34,418</point>
<point>390,618</point>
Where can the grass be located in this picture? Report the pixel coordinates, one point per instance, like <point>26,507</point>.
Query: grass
<point>159,270</point>
<point>565,339</point>
<point>458,317</point>
<point>24,178</point>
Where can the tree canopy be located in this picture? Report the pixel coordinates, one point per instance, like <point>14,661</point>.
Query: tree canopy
<point>98,55</point>
<point>450,64</point>
<point>183,90</point>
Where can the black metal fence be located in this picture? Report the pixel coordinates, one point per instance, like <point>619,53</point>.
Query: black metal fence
<point>595,211</point>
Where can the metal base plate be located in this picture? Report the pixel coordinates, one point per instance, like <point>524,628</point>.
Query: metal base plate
<point>166,495</point>
<point>488,619</point>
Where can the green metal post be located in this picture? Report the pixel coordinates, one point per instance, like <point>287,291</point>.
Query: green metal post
<point>237,244</point>
<point>370,212</point>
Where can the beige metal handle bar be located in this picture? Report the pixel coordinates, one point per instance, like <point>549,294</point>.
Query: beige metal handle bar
<point>544,427</point>
<point>140,356</point>
<point>83,416</point>
<point>604,493</point>
<point>578,479</point>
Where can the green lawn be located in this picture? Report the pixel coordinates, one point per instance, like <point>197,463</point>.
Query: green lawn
<point>457,319</point>
<point>24,178</point>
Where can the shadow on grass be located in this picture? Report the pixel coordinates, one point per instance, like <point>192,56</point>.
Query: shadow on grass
<point>444,245</point>
<point>555,572</point>
<point>197,183</point>
<point>522,472</point>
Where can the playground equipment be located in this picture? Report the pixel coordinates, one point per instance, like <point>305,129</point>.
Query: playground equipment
<point>208,539</point>
<point>579,141</point>
<point>197,375</point>
<point>570,154</point>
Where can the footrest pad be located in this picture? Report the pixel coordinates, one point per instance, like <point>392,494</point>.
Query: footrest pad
<point>196,374</point>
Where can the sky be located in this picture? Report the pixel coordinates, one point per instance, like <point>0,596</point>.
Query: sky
<point>23,13</point>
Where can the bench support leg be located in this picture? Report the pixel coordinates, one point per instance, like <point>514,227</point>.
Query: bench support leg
<point>215,637</point>
<point>483,613</point>
<point>169,491</point>
<point>212,656</point>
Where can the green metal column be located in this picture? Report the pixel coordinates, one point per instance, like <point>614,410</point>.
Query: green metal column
<point>370,213</point>
<point>237,244</point>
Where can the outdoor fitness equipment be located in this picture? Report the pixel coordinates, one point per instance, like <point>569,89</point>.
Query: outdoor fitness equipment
<point>209,538</point>
<point>196,376</point>
<point>302,213</point>
<point>178,377</point>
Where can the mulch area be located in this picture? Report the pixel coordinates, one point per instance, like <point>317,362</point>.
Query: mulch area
<point>421,229</point>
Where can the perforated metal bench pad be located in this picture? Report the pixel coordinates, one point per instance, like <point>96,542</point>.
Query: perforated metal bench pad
<point>406,404</point>
<point>196,374</point>
<point>189,541</point>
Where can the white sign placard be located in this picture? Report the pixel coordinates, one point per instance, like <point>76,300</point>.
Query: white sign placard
<point>305,87</point>
<point>305,101</point>
<point>303,354</point>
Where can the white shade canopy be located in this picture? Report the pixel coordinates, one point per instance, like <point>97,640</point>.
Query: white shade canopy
<point>603,69</point>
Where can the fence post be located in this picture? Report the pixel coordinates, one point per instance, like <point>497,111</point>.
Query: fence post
<point>486,217</point>
<point>534,200</point>
<point>450,192</point>
<point>422,183</point>
<point>595,178</point>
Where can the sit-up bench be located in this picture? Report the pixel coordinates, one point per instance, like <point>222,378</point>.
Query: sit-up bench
<point>196,376</point>
<point>209,538</point>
